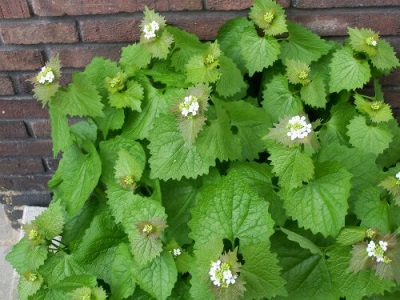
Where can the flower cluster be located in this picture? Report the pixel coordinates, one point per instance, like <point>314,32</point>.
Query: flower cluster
<point>378,251</point>
<point>221,274</point>
<point>189,107</point>
<point>298,128</point>
<point>150,29</point>
<point>371,41</point>
<point>176,252</point>
<point>45,76</point>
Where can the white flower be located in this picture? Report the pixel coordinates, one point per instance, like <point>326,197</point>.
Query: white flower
<point>149,30</point>
<point>298,128</point>
<point>398,175</point>
<point>377,251</point>
<point>45,76</point>
<point>221,274</point>
<point>176,252</point>
<point>371,248</point>
<point>189,107</point>
<point>374,43</point>
<point>383,245</point>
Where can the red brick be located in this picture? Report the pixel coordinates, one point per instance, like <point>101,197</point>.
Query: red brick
<point>25,183</point>
<point>31,147</point>
<point>392,79</point>
<point>115,30</point>
<point>392,96</point>
<point>20,60</point>
<point>91,7</point>
<point>335,22</point>
<point>343,3</point>
<point>13,130</point>
<point>21,109</point>
<point>236,5</point>
<point>14,9</point>
<point>205,25</point>
<point>51,164</point>
<point>38,32</point>
<point>39,128</point>
<point>21,166</point>
<point>6,86</point>
<point>80,56</point>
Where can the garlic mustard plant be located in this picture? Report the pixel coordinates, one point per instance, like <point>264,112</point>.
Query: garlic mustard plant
<point>197,169</point>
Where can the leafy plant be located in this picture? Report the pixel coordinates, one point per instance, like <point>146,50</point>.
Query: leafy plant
<point>255,166</point>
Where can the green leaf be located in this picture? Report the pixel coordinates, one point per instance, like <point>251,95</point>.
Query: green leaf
<point>79,173</point>
<point>98,70</point>
<point>258,52</point>
<point>171,157</point>
<point>372,139</point>
<point>327,194</point>
<point>372,211</point>
<point>279,101</point>
<point>391,155</point>
<point>79,99</point>
<point>109,150</point>
<point>361,39</point>
<point>122,274</point>
<point>134,57</point>
<point>60,134</point>
<point>353,285</point>
<point>305,273</point>
<point>27,288</point>
<point>158,277</point>
<point>378,111</point>
<point>131,163</point>
<point>335,129</point>
<point>291,165</point>
<point>113,119</point>
<point>231,80</point>
<point>302,241</point>
<point>314,93</point>
<point>132,97</point>
<point>75,281</point>
<point>26,257</point>
<point>138,213</point>
<point>60,266</point>
<point>85,130</point>
<point>179,197</point>
<point>302,44</point>
<point>160,47</point>
<point>269,16</point>
<point>261,273</point>
<point>251,123</point>
<point>51,221</point>
<point>345,65</point>
<point>217,139</point>
<point>138,125</point>
<point>350,235</point>
<point>241,214</point>
<point>228,37</point>
<point>385,58</point>
<point>95,251</point>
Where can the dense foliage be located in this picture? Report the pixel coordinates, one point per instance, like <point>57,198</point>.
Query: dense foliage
<point>262,165</point>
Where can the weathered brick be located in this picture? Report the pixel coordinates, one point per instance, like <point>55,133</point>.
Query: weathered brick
<point>80,56</point>
<point>21,166</point>
<point>335,22</point>
<point>342,3</point>
<point>51,164</point>
<point>392,96</point>
<point>20,60</point>
<point>10,9</point>
<point>24,182</point>
<point>392,79</point>
<point>38,32</point>
<point>21,108</point>
<point>91,7</point>
<point>13,130</point>
<point>6,86</point>
<point>39,128</point>
<point>236,5</point>
<point>32,198</point>
<point>28,147</point>
<point>106,30</point>
<point>205,24</point>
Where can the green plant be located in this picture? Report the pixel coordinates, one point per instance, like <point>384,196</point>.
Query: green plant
<point>250,167</point>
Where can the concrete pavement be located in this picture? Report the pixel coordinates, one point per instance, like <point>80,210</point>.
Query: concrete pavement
<point>8,237</point>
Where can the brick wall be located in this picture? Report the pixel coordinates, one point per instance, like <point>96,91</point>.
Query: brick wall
<point>31,31</point>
